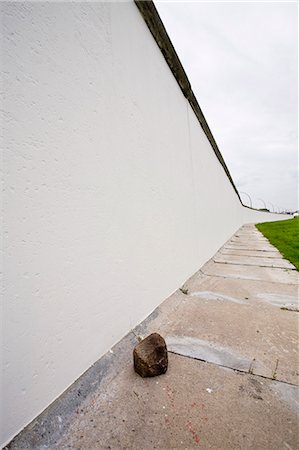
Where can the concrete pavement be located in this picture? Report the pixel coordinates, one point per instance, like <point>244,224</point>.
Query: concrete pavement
<point>232,381</point>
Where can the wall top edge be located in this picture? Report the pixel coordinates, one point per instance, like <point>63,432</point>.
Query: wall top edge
<point>158,31</point>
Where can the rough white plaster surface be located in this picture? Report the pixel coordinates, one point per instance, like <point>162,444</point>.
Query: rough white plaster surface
<point>113,196</point>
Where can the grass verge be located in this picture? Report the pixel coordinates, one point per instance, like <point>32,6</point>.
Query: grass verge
<point>284,235</point>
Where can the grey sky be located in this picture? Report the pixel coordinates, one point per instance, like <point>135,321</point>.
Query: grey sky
<point>241,59</point>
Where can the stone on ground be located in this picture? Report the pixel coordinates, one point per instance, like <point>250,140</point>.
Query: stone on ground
<point>150,356</point>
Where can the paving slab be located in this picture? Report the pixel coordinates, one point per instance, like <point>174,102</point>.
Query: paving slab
<point>250,253</point>
<point>249,239</point>
<point>253,261</point>
<point>232,331</point>
<point>255,292</point>
<point>255,246</point>
<point>194,405</point>
<point>247,272</point>
<point>249,233</point>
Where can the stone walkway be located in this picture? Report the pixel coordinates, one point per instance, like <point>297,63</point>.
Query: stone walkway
<point>232,381</point>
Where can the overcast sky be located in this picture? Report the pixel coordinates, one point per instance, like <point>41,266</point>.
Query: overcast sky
<point>241,60</point>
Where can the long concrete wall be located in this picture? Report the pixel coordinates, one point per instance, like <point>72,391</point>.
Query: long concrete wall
<point>113,196</point>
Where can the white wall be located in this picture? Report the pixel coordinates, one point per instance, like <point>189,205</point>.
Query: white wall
<point>113,196</point>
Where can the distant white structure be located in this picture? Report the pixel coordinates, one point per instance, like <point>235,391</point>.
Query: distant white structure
<point>114,192</point>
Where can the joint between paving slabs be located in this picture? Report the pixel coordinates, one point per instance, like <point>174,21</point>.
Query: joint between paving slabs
<point>250,249</point>
<point>250,256</point>
<point>252,265</point>
<point>247,279</point>
<point>250,371</point>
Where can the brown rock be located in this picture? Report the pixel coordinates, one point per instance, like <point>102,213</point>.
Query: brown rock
<point>150,356</point>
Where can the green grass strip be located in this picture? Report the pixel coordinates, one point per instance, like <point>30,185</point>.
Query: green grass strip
<point>284,235</point>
